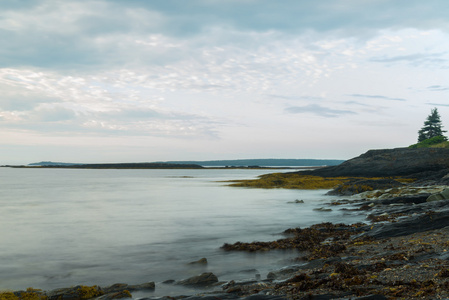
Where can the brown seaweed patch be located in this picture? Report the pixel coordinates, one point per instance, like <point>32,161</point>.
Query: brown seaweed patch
<point>310,182</point>
<point>320,240</point>
<point>291,181</point>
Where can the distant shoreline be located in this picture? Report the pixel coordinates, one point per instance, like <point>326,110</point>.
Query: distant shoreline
<point>168,167</point>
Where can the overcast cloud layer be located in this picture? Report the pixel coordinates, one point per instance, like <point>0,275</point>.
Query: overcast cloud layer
<point>109,81</point>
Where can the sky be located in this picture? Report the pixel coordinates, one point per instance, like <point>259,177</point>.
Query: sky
<point>160,80</point>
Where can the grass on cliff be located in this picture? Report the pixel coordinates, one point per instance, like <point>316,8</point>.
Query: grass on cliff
<point>435,142</point>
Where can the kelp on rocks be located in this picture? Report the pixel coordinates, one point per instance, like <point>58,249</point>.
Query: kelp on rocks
<point>320,240</point>
<point>342,185</point>
<point>290,181</point>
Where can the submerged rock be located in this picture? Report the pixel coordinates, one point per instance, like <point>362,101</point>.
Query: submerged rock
<point>202,261</point>
<point>119,287</point>
<point>200,280</point>
<point>322,209</point>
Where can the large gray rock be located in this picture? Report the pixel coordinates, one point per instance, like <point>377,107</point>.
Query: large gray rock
<point>443,195</point>
<point>411,225</point>
<point>200,280</point>
<point>120,287</point>
<point>390,162</point>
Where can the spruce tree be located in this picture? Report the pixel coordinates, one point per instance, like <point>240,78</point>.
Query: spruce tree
<point>432,127</point>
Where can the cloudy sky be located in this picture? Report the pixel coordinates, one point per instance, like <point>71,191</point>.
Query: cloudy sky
<point>135,80</point>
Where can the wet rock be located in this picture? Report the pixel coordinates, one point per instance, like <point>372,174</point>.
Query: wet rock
<point>411,199</point>
<point>117,287</point>
<point>397,192</point>
<point>75,293</point>
<point>204,279</point>
<point>357,186</point>
<point>287,272</point>
<point>170,281</point>
<point>211,297</point>
<point>322,209</point>
<point>202,261</point>
<point>144,286</point>
<point>117,295</point>
<point>283,273</point>
<point>443,195</point>
<point>414,224</point>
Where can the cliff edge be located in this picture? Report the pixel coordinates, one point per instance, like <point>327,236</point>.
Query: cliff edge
<point>420,163</point>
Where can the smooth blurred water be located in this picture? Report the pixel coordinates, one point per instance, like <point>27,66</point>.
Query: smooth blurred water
<point>63,227</point>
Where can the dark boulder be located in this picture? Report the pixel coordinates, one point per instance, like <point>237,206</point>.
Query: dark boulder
<point>202,261</point>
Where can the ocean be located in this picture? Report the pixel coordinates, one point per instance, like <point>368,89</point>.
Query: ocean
<point>64,227</point>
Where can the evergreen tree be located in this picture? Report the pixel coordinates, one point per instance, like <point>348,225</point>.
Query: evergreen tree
<point>432,127</point>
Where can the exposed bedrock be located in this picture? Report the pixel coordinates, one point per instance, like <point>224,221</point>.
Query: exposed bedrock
<point>421,162</point>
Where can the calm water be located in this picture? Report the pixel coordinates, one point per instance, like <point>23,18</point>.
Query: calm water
<point>63,227</point>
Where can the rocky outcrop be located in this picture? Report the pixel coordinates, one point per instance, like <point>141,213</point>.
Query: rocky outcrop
<point>421,162</point>
<point>357,186</point>
<point>424,222</point>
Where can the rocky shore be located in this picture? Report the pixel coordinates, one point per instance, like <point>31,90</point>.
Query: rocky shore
<point>401,251</point>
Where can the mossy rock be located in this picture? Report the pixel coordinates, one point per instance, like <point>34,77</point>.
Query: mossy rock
<point>8,296</point>
<point>79,292</point>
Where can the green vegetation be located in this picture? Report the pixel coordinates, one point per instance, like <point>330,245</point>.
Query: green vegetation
<point>435,142</point>
<point>432,127</point>
<point>431,134</point>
